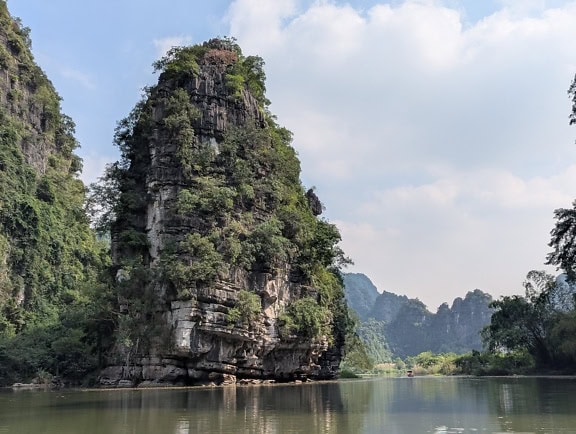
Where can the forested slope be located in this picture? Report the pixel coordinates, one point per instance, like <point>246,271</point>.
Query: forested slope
<point>49,256</point>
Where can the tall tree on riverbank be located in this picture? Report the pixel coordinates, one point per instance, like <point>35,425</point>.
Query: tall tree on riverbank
<point>524,323</point>
<point>564,233</point>
<point>537,323</point>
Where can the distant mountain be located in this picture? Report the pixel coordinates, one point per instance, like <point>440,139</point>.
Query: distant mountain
<point>387,306</point>
<point>360,294</point>
<point>407,327</point>
<point>457,329</point>
<point>407,334</point>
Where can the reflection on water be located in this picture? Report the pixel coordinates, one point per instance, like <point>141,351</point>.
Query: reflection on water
<point>383,405</point>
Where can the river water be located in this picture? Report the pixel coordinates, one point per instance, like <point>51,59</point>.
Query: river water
<point>378,405</point>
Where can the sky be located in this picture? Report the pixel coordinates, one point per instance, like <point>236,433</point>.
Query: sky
<point>436,133</point>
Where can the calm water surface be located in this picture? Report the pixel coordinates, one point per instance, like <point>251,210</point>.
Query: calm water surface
<point>381,405</point>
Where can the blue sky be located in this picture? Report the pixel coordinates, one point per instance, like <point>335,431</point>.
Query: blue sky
<point>435,132</point>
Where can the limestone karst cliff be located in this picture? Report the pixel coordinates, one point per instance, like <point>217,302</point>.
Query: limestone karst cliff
<point>47,250</point>
<point>50,259</point>
<point>224,270</point>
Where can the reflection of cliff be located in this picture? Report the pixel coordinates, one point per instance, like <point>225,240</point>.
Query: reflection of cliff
<point>313,408</point>
<point>383,405</point>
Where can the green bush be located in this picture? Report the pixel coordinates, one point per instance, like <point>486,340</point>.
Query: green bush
<point>305,317</point>
<point>356,356</point>
<point>235,84</point>
<point>487,363</point>
<point>247,309</point>
<point>180,60</point>
<point>348,373</point>
<point>195,262</point>
<point>57,350</point>
<point>208,198</point>
<point>265,247</point>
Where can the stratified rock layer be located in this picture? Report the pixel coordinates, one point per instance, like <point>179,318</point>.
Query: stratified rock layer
<point>198,343</point>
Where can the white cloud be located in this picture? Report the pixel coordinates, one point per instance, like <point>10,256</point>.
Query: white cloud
<point>85,80</point>
<point>164,44</point>
<point>264,18</point>
<point>94,165</point>
<point>463,231</point>
<point>441,147</point>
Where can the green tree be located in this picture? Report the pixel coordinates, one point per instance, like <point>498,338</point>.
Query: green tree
<point>247,309</point>
<point>195,262</point>
<point>372,333</point>
<point>524,323</point>
<point>356,356</point>
<point>563,235</point>
<point>572,94</point>
<point>563,241</point>
<point>306,318</point>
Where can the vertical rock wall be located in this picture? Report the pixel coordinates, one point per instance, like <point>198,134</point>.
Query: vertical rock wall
<point>199,343</point>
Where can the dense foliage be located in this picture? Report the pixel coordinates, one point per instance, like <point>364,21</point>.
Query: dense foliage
<point>535,329</point>
<point>50,260</point>
<point>524,323</point>
<point>246,310</point>
<point>373,335</point>
<point>563,241</point>
<point>239,202</point>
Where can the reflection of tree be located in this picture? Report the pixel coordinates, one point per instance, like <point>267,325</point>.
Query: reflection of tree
<point>422,404</point>
<point>533,404</point>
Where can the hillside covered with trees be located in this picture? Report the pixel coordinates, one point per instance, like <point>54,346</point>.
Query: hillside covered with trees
<point>395,326</point>
<point>50,259</point>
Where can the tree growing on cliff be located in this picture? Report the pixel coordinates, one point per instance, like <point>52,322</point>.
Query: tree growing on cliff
<point>50,260</point>
<point>207,194</point>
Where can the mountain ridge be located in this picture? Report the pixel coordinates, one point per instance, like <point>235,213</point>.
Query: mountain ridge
<point>407,327</point>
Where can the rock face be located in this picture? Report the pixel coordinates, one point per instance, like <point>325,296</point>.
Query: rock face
<point>409,328</point>
<point>457,328</point>
<point>387,306</point>
<point>217,249</point>
<point>27,94</point>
